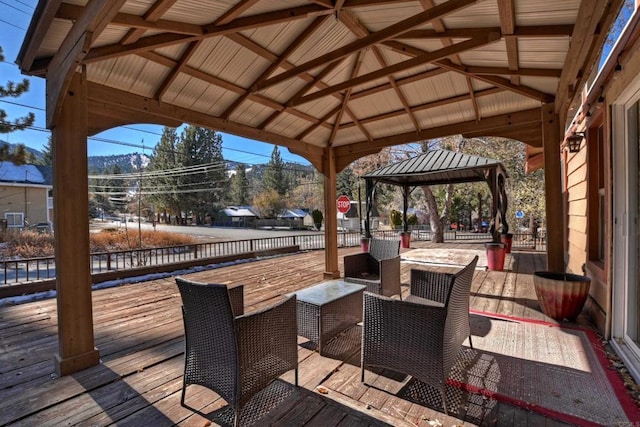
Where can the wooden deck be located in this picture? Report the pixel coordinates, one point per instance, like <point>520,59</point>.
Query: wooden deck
<point>139,334</point>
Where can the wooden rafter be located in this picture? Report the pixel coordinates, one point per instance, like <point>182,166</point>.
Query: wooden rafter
<point>94,19</point>
<point>302,37</point>
<point>438,25</point>
<point>154,14</point>
<point>405,65</point>
<point>507,26</point>
<point>169,39</point>
<point>365,42</point>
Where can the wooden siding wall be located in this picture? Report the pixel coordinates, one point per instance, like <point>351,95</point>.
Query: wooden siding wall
<point>577,210</point>
<point>577,172</point>
<point>31,201</point>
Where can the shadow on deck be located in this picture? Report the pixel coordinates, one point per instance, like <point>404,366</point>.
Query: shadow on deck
<point>139,333</point>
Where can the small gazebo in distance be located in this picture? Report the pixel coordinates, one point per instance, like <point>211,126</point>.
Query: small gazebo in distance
<point>442,167</point>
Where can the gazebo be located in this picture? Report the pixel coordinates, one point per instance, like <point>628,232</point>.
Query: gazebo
<point>331,81</point>
<point>442,167</point>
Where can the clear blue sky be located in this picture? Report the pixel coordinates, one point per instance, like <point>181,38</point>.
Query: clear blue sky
<point>15,16</point>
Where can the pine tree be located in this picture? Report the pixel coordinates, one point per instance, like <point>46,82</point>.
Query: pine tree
<point>14,90</point>
<point>274,178</point>
<point>47,153</point>
<point>201,192</point>
<point>239,187</point>
<point>162,160</point>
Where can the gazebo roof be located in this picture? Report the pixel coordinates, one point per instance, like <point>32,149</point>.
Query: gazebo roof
<point>355,75</point>
<point>436,167</point>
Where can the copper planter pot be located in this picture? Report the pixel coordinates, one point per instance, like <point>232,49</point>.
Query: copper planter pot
<point>561,295</point>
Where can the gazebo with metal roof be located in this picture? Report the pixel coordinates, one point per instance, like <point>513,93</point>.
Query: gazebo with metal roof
<point>331,81</point>
<point>442,167</point>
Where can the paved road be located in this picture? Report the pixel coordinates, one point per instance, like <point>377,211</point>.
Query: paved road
<point>213,233</point>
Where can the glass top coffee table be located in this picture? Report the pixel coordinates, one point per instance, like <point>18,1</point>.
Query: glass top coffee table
<point>327,309</point>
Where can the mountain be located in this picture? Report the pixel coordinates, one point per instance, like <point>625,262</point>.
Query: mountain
<point>126,162</point>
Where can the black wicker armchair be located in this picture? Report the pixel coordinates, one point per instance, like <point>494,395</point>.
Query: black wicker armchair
<point>378,269</point>
<point>235,357</point>
<point>422,335</point>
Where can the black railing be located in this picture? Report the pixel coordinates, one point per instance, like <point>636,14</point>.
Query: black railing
<point>35,269</point>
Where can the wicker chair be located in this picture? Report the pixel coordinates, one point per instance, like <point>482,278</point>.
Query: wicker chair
<point>235,356</point>
<point>422,335</point>
<point>378,269</point>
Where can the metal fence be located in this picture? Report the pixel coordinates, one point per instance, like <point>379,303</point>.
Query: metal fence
<point>35,269</point>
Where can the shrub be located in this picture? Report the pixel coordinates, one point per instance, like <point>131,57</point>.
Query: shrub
<point>31,244</point>
<point>317,218</point>
<point>395,217</point>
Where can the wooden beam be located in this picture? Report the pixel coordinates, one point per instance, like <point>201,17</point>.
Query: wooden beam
<point>44,14</point>
<point>94,19</point>
<point>136,104</point>
<point>76,347</point>
<point>467,33</point>
<point>553,188</point>
<point>302,37</point>
<point>486,125</point>
<point>154,14</point>
<point>395,68</point>
<point>158,41</point>
<point>365,42</point>
<point>588,35</point>
<point>330,215</point>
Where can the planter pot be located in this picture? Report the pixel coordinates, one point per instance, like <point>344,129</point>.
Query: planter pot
<point>364,244</point>
<point>495,256</point>
<point>405,239</point>
<point>561,295</point>
<point>507,239</point>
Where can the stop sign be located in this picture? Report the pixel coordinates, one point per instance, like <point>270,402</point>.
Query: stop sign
<point>344,204</point>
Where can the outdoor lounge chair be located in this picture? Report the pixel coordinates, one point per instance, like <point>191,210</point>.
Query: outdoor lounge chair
<point>235,357</point>
<point>422,335</point>
<point>378,269</point>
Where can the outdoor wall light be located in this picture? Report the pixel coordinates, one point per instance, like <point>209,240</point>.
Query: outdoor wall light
<point>574,141</point>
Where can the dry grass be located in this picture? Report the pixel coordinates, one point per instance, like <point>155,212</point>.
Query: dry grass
<point>31,244</point>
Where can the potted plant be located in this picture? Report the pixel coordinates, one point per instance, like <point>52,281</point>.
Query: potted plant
<point>561,295</point>
<point>317,218</point>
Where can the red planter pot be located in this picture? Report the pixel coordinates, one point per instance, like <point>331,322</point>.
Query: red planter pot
<point>507,239</point>
<point>561,296</point>
<point>495,256</point>
<point>364,244</point>
<point>405,239</point>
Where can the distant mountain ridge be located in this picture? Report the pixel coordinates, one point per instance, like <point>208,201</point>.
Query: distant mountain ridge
<point>128,163</point>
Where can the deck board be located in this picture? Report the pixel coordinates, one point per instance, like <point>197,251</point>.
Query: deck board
<point>139,333</point>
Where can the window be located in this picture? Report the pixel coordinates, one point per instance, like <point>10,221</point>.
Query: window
<point>596,194</point>
<point>14,219</point>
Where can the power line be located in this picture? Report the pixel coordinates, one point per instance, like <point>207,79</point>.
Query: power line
<point>13,7</point>
<point>12,24</point>
<point>24,4</point>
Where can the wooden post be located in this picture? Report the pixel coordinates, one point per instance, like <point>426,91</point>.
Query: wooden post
<point>553,189</point>
<point>331,215</point>
<point>71,204</point>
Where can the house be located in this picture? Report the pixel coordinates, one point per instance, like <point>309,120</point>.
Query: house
<point>25,195</point>
<point>601,174</point>
<point>238,216</point>
<point>300,217</point>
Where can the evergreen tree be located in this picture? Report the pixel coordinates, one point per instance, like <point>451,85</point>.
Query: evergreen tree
<point>239,187</point>
<point>14,90</point>
<point>18,155</point>
<point>274,178</point>
<point>163,159</point>
<point>47,153</point>
<point>203,191</point>
<point>347,183</point>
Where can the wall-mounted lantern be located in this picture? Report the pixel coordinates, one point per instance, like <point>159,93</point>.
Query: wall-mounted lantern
<point>574,141</point>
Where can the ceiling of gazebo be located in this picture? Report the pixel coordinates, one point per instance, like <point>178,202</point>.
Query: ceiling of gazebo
<point>356,75</point>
